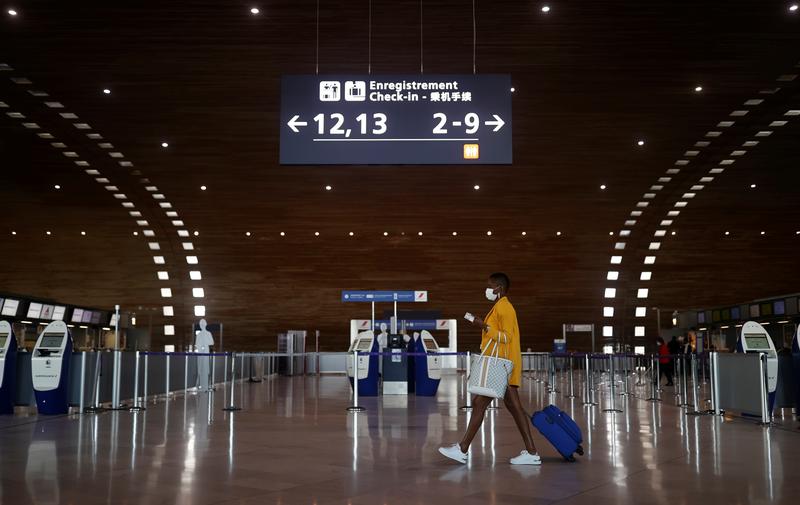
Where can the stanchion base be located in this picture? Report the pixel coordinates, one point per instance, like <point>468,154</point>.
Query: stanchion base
<point>492,408</point>
<point>121,407</point>
<point>465,407</point>
<point>354,408</point>
<point>94,410</point>
<point>697,413</point>
<point>612,410</point>
<point>231,409</point>
<point>253,380</point>
<point>136,409</point>
<point>653,400</point>
<point>570,396</point>
<point>589,404</point>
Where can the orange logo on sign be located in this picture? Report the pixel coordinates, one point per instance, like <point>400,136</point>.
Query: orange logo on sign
<point>471,151</point>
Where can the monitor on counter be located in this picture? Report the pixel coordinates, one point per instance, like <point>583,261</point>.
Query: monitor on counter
<point>364,344</point>
<point>58,312</point>
<point>736,313</point>
<point>10,307</point>
<point>96,317</point>
<point>757,342</point>
<point>87,316</point>
<point>77,315</point>
<point>51,340</point>
<point>779,307</point>
<point>47,312</point>
<point>34,310</point>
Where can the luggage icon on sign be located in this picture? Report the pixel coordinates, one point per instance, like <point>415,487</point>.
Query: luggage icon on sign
<point>471,151</point>
<point>355,91</point>
<point>330,91</point>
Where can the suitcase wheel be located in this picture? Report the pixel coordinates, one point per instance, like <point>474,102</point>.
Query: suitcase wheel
<point>571,459</point>
<point>579,450</point>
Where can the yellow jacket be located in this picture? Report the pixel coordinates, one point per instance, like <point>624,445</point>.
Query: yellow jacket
<point>503,329</point>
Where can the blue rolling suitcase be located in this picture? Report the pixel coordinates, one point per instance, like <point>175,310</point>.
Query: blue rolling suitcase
<point>560,430</point>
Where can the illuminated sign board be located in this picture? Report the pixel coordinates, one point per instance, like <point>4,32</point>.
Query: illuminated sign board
<point>395,119</point>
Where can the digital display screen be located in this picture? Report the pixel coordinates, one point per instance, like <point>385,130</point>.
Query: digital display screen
<point>10,307</point>
<point>754,311</point>
<point>756,341</point>
<point>47,312</point>
<point>430,344</point>
<point>34,310</point>
<point>364,345</point>
<point>96,317</point>
<point>766,309</point>
<point>736,313</point>
<point>52,340</point>
<point>779,307</point>
<point>715,316</point>
<point>395,119</point>
<point>3,338</point>
<point>701,317</point>
<point>726,314</point>
<point>58,313</point>
<point>77,315</point>
<point>87,316</point>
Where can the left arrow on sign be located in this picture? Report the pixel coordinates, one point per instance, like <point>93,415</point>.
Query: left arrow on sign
<point>294,123</point>
<point>497,123</point>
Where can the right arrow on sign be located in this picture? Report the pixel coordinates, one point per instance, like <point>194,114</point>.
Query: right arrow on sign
<point>294,123</point>
<point>497,123</point>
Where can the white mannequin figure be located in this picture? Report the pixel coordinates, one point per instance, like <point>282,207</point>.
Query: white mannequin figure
<point>202,344</point>
<point>382,336</point>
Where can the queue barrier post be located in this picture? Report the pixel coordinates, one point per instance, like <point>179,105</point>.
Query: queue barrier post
<point>613,395</point>
<point>468,405</point>
<point>231,406</point>
<point>96,408</point>
<point>654,367</point>
<point>571,378</point>
<point>166,379</point>
<point>146,369</point>
<point>137,403</point>
<point>766,418</point>
<point>715,384</point>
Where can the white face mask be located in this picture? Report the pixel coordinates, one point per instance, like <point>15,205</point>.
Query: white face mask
<point>491,295</point>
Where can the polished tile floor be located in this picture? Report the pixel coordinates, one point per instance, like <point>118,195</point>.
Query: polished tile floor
<point>294,443</point>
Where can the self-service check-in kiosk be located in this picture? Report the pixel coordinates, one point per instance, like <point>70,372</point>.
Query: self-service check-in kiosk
<point>427,369</point>
<point>796,363</point>
<point>395,366</point>
<point>8,368</point>
<point>50,369</point>
<point>367,366</point>
<point>755,339</point>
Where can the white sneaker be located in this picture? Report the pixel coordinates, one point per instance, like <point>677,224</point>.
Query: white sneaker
<point>526,458</point>
<point>454,452</point>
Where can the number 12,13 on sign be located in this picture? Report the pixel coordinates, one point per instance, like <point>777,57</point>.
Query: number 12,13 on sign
<point>377,124</point>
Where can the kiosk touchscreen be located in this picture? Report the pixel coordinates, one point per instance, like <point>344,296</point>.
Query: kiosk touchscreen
<point>367,366</point>
<point>427,370</point>
<point>50,369</point>
<point>755,339</point>
<point>8,368</point>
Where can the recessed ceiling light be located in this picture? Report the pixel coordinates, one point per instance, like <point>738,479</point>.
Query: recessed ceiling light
<point>489,233</point>
<point>545,9</point>
<point>351,233</point>
<point>524,233</point>
<point>513,89</point>
<point>727,233</point>
<point>673,233</point>
<point>602,186</point>
<point>316,234</point>
<point>698,89</point>
<point>328,188</point>
<point>386,234</point>
<point>419,233</point>
<point>455,233</point>
<point>136,234</point>
<point>558,233</point>
<point>255,10</point>
<point>12,12</point>
<point>47,232</point>
<point>283,234</point>
<point>196,233</point>
<point>83,233</point>
<point>106,91</point>
<point>763,233</point>
<point>476,187</point>
<point>14,233</point>
<point>753,186</point>
<point>247,233</point>
<point>203,188</point>
<point>793,8</point>
<point>57,186</point>
<point>164,144</point>
<point>611,233</point>
<point>640,143</point>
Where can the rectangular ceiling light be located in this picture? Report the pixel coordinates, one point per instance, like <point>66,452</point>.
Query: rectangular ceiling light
<point>163,275</point>
<point>616,260</point>
<point>198,292</point>
<point>158,260</point>
<point>612,275</point>
<point>645,276</point>
<point>195,275</point>
<point>608,311</point>
<point>649,260</point>
<point>166,293</point>
<point>642,293</point>
<point>641,311</point>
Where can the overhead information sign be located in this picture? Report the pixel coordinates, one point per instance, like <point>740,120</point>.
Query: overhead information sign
<point>396,119</point>
<point>385,296</point>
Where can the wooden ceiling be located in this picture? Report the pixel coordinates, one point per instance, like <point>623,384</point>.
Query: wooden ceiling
<point>591,78</point>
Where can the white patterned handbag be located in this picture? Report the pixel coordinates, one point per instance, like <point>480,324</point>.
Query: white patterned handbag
<point>489,374</point>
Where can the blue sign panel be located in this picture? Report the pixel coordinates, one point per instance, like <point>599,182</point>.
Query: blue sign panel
<point>395,119</point>
<point>384,296</point>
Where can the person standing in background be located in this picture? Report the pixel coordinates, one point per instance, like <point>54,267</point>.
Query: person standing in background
<point>665,363</point>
